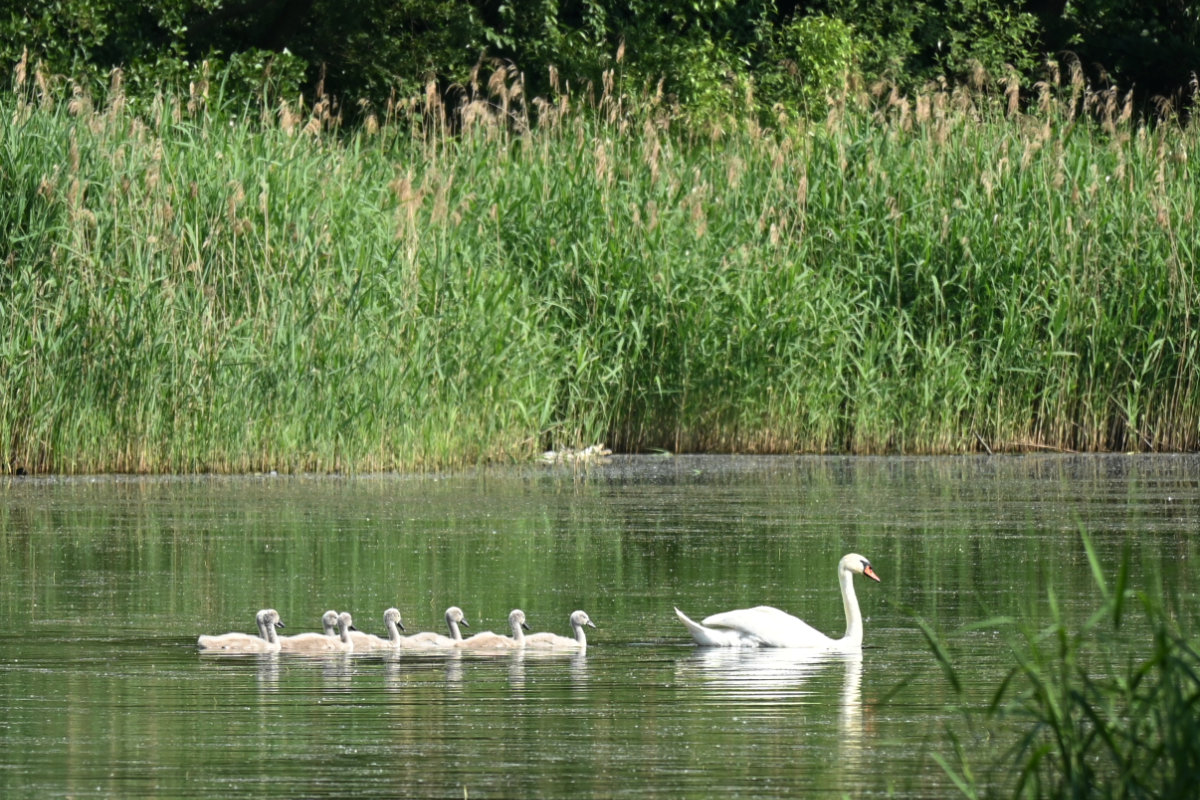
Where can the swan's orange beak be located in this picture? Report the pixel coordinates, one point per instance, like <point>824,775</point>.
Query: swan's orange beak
<point>869,571</point>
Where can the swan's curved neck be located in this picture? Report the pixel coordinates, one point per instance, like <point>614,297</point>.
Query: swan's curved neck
<point>518,633</point>
<point>455,633</point>
<point>854,624</point>
<point>393,631</point>
<point>580,636</point>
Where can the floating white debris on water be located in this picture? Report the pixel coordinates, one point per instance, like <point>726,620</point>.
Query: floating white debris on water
<point>592,454</point>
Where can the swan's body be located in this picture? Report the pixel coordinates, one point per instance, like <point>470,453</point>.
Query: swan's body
<point>428,639</point>
<point>494,641</point>
<point>320,643</point>
<point>266,641</point>
<point>311,641</point>
<point>764,626</point>
<point>552,641</point>
<point>369,641</point>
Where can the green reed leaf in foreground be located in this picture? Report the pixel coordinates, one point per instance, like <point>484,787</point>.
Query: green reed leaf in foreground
<point>1104,710</point>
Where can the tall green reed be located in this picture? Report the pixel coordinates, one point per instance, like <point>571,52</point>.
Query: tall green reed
<point>932,274</point>
<point>1103,709</point>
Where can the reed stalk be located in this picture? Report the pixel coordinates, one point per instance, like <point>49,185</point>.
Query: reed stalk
<point>181,291</point>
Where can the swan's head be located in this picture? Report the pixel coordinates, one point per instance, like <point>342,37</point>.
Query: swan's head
<point>517,619</point>
<point>269,616</point>
<point>455,615</point>
<point>858,565</point>
<point>392,615</point>
<point>329,621</point>
<point>580,618</point>
<point>346,622</point>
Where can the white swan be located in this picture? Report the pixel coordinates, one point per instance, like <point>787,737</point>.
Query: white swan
<point>547,641</point>
<point>369,641</point>
<point>428,639</point>
<point>319,642</point>
<point>764,626</point>
<point>494,641</point>
<point>266,642</point>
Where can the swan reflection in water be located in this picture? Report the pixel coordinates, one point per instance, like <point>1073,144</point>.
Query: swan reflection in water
<point>778,675</point>
<point>574,661</point>
<point>780,678</point>
<point>267,672</point>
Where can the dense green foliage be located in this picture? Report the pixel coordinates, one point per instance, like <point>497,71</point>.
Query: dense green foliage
<point>707,53</point>
<point>1110,707</point>
<point>937,274</point>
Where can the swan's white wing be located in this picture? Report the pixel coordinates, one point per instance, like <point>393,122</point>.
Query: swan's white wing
<point>234,643</point>
<point>716,637</point>
<point>550,641</point>
<point>426,640</point>
<point>769,626</point>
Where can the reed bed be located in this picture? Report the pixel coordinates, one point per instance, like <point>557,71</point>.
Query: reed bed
<point>184,291</point>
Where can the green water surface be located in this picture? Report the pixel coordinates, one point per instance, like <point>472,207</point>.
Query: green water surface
<point>105,584</point>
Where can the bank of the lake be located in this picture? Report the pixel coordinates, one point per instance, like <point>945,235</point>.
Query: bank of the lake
<point>933,274</point>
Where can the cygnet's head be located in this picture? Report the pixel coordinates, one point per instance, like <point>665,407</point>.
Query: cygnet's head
<point>269,616</point>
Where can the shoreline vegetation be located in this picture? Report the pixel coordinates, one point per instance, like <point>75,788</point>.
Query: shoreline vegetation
<point>1108,706</point>
<point>968,269</point>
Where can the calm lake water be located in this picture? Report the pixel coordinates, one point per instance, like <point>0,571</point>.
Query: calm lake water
<point>105,584</point>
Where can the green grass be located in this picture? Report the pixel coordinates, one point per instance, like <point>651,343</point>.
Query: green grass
<point>181,292</point>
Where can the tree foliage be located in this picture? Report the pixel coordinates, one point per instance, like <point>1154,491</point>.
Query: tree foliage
<point>1154,47</point>
<point>706,53</point>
